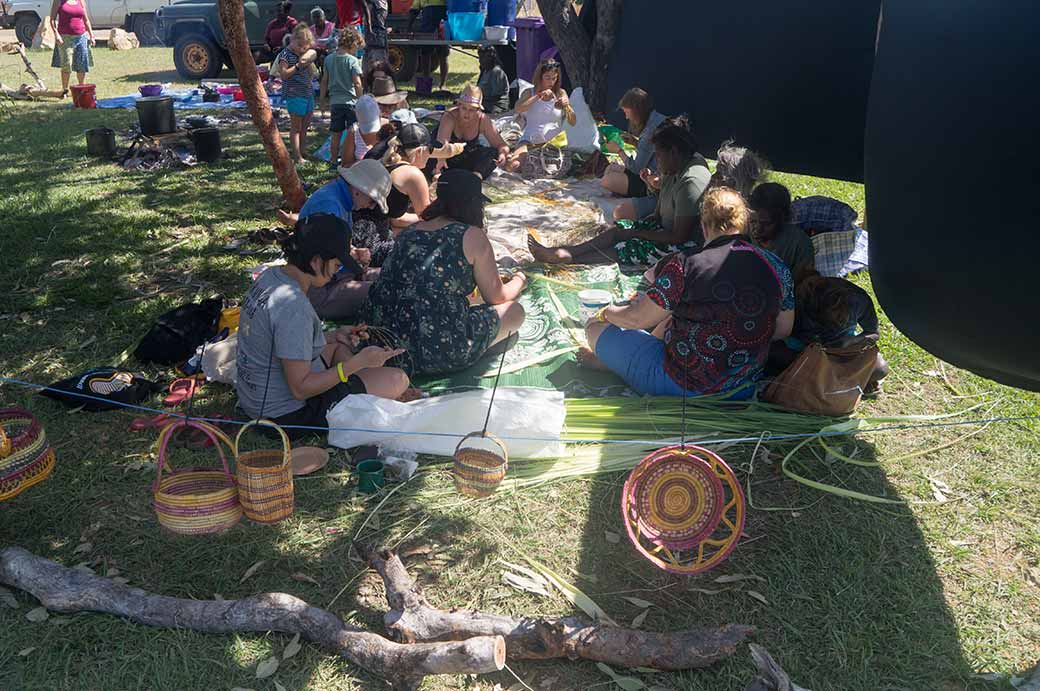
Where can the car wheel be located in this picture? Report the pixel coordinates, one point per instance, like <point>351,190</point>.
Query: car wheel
<point>197,57</point>
<point>143,25</point>
<point>25,28</point>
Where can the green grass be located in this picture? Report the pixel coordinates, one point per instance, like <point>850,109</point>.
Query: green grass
<point>921,596</point>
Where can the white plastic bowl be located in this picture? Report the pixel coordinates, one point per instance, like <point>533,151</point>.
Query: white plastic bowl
<point>496,33</point>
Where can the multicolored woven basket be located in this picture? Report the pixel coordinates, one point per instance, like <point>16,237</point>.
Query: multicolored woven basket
<point>196,501</point>
<point>26,458</point>
<point>478,472</point>
<point>265,480</point>
<point>683,509</point>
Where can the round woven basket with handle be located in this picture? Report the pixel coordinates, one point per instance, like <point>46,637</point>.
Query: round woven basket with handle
<point>479,471</point>
<point>195,501</point>
<point>265,480</point>
<point>26,457</point>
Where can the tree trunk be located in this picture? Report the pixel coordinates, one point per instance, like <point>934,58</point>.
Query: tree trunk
<point>607,18</point>
<point>67,590</point>
<point>412,619</point>
<point>233,19</point>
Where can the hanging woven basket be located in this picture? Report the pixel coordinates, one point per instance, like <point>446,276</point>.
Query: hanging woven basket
<point>195,501</point>
<point>26,457</point>
<point>478,471</point>
<point>265,480</point>
<point>683,509</point>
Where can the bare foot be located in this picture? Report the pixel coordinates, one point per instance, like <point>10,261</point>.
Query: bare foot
<point>286,218</point>
<point>586,358</point>
<point>547,255</point>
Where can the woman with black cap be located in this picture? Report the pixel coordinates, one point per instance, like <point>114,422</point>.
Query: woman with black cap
<point>289,369</point>
<point>423,291</point>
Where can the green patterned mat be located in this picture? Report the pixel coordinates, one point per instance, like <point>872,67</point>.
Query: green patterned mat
<point>544,355</point>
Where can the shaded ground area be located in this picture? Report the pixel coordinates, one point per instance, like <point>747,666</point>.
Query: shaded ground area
<point>853,595</point>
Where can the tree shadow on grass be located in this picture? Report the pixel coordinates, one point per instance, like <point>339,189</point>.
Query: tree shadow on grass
<point>105,502</point>
<point>854,600</point>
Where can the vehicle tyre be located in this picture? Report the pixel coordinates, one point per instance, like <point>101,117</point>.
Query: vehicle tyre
<point>197,57</point>
<point>144,26</point>
<point>25,28</point>
<point>403,61</point>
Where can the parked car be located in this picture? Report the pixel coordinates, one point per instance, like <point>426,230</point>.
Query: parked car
<point>192,28</point>
<point>138,16</point>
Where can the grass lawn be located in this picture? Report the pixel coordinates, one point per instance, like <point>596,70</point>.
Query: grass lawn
<point>924,595</point>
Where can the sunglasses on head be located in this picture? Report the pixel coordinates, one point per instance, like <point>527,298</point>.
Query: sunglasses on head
<point>551,65</point>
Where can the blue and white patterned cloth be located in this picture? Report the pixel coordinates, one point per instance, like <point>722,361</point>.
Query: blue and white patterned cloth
<point>823,214</point>
<point>841,253</point>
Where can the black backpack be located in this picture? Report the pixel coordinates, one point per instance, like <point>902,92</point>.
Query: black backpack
<point>176,334</point>
<point>115,385</point>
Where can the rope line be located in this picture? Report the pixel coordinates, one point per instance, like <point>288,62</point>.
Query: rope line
<point>639,442</point>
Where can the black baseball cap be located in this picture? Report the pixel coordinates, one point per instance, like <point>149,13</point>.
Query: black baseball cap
<point>414,135</point>
<point>327,236</point>
<point>459,184</point>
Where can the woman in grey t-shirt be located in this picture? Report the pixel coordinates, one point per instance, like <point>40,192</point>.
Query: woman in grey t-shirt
<point>289,369</point>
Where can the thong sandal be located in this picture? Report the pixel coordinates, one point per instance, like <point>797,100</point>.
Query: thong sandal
<point>181,390</point>
<point>140,424</point>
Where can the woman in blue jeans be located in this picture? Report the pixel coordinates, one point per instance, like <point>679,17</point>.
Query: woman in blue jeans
<point>719,307</point>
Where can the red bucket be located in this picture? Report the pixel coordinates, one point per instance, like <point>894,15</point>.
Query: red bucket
<point>84,96</point>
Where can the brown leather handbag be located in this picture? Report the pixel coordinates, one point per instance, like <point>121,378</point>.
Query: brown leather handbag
<point>826,380</point>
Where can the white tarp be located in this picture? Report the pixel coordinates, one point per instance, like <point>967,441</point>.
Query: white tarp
<point>518,412</point>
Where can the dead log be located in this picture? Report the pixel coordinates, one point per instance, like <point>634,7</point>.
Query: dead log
<point>412,619</point>
<point>68,590</point>
<point>233,20</point>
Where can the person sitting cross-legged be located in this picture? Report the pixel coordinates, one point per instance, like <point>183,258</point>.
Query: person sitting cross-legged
<point>289,370</point>
<point>720,306</point>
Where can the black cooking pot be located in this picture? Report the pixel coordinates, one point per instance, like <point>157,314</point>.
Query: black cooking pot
<point>155,113</point>
<point>101,141</point>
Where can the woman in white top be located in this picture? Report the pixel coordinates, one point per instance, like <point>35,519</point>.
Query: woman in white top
<point>365,133</point>
<point>545,106</point>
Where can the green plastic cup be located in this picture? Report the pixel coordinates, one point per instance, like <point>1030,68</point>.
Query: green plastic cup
<point>370,476</point>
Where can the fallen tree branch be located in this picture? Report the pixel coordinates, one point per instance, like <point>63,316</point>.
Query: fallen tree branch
<point>412,619</point>
<point>61,589</point>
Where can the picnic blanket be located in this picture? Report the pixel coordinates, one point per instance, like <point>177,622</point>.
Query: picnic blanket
<point>544,355</point>
<point>183,99</point>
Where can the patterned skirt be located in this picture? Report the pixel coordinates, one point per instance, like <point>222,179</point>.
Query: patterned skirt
<point>73,54</point>
<point>645,253</point>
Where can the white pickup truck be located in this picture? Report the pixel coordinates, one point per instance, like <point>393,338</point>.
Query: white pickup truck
<point>133,15</point>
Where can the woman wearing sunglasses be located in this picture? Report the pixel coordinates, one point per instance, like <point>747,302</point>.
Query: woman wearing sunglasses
<point>545,105</point>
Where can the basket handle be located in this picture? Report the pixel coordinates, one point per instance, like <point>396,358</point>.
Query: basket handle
<point>214,434</point>
<point>286,445</point>
<point>484,435</point>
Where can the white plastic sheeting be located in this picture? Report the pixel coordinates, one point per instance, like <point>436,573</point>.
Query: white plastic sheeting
<point>518,412</point>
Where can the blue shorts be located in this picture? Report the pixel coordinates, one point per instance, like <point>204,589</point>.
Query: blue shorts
<point>638,358</point>
<point>300,105</point>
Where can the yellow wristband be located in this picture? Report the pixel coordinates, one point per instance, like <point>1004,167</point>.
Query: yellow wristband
<point>339,370</point>
<point>601,316</point>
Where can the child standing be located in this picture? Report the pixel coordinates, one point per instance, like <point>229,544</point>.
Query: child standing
<point>341,86</point>
<point>296,64</point>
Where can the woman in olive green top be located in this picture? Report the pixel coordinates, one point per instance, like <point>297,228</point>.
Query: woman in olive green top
<point>681,180</point>
<point>772,228</point>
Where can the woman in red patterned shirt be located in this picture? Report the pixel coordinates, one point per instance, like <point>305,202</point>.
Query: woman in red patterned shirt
<point>726,302</point>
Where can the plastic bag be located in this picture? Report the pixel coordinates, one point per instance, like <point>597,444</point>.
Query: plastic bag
<point>533,414</point>
<point>220,360</point>
<point>583,135</point>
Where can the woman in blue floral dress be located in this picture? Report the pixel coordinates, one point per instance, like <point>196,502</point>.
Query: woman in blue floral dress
<point>423,294</point>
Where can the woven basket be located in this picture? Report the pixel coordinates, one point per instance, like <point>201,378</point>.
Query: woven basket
<point>478,472</point>
<point>26,458</point>
<point>195,501</point>
<point>265,481</point>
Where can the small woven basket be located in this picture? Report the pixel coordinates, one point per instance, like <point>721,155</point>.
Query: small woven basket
<point>478,471</point>
<point>265,480</point>
<point>26,458</point>
<point>195,501</point>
